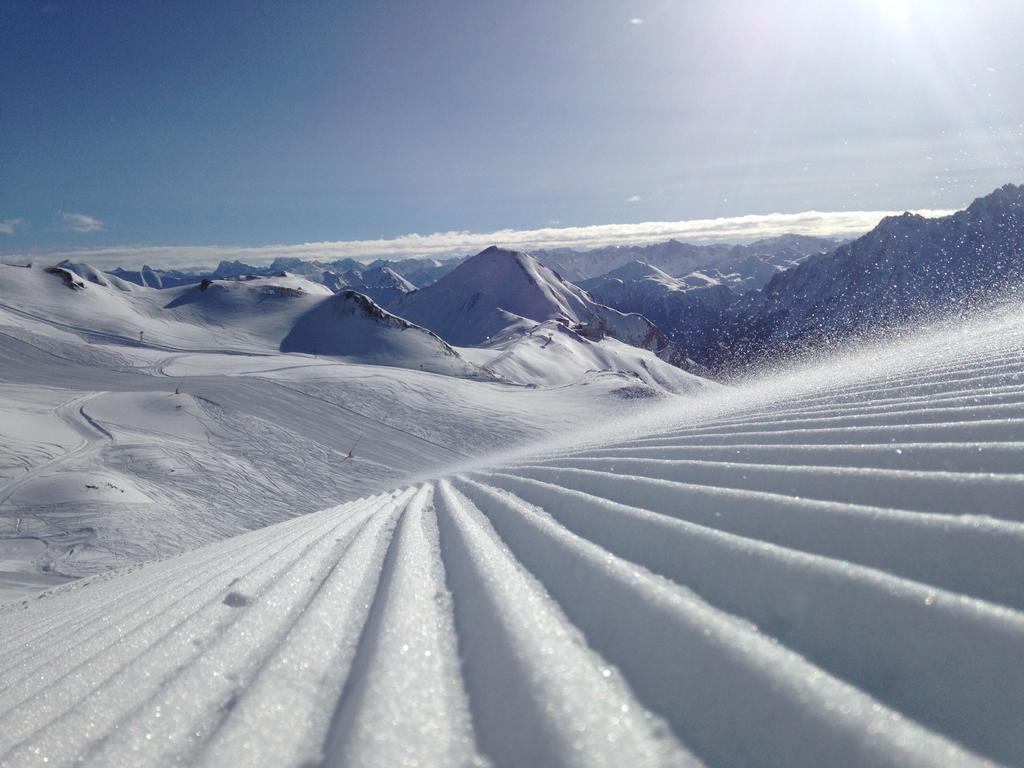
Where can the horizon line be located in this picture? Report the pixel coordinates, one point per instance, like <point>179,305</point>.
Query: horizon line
<point>732,229</point>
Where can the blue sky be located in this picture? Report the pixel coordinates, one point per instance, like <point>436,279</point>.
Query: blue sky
<point>250,123</point>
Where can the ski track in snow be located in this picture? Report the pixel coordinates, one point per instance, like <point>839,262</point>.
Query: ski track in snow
<point>833,575</point>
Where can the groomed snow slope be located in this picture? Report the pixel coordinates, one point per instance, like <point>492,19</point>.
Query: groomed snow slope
<point>821,568</point>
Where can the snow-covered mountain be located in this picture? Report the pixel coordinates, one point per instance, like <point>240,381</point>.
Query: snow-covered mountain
<point>686,290</point>
<point>293,314</point>
<point>351,326</point>
<point>690,309</point>
<point>257,314</point>
<point>379,281</point>
<point>403,274</point>
<point>382,284</point>
<point>644,286</point>
<point>745,263</point>
<point>498,292</point>
<point>492,292</point>
<point>151,277</point>
<point>296,315</point>
<point>421,272</point>
<point>907,267</point>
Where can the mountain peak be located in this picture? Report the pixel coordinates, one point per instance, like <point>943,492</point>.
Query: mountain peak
<point>898,222</point>
<point>497,252</point>
<point>488,292</point>
<point>1007,197</point>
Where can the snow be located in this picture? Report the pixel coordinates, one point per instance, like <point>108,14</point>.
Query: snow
<point>102,463</point>
<point>551,354</point>
<point>483,296</point>
<point>350,326</point>
<point>752,264</point>
<point>499,297</point>
<point>17,580</point>
<point>905,270</point>
<point>820,566</point>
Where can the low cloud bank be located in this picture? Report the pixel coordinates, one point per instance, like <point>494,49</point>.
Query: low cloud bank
<point>442,244</point>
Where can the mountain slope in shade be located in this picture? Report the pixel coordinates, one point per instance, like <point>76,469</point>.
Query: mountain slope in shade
<point>907,267</point>
<point>352,326</point>
<point>822,568</point>
<point>639,284</point>
<point>259,311</point>
<point>690,310</point>
<point>499,291</point>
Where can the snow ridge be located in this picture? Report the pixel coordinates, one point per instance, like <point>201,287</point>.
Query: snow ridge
<point>815,570</point>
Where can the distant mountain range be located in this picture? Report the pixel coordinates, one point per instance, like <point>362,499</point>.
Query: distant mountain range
<point>689,309</point>
<point>500,297</point>
<point>698,308</point>
<point>736,264</point>
<point>544,331</point>
<point>907,268</point>
<point>339,274</point>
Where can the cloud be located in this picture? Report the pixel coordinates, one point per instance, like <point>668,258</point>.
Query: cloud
<point>636,21</point>
<point>10,226</point>
<point>441,244</point>
<point>78,222</point>
<point>633,199</point>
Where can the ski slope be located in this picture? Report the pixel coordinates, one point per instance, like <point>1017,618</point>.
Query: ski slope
<point>822,567</point>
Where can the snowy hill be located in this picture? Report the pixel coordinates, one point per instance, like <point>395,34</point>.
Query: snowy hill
<point>352,326</point>
<point>823,567</point>
<point>906,268</point>
<point>95,276</point>
<point>252,315</point>
<point>498,292</point>
<point>93,306</point>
